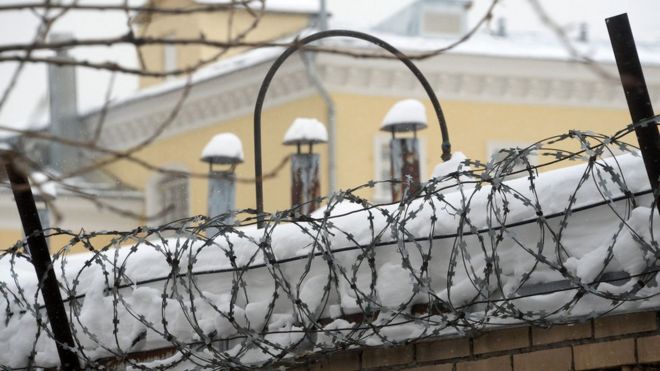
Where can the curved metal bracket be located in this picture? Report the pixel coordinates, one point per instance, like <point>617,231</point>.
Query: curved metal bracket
<point>446,146</point>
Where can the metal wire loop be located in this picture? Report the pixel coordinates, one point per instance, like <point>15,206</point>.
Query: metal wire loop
<point>258,170</point>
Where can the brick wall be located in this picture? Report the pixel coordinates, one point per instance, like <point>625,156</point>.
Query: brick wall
<point>621,342</point>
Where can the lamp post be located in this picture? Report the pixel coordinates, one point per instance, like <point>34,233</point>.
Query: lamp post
<point>224,150</point>
<point>305,183</point>
<point>405,116</point>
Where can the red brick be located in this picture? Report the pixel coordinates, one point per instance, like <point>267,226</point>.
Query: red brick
<point>560,333</point>
<point>604,355</point>
<point>442,367</point>
<point>502,363</point>
<point>442,349</point>
<point>378,357</point>
<point>550,360</point>
<point>624,324</point>
<point>498,340</point>
<point>648,349</point>
<point>340,361</point>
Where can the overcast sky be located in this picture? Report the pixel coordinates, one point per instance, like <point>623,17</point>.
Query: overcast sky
<point>29,95</point>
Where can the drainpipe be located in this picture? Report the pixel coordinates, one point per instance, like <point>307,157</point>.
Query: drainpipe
<point>64,121</point>
<point>309,59</point>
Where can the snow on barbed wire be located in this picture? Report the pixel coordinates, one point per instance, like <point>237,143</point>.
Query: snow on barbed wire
<point>473,248</point>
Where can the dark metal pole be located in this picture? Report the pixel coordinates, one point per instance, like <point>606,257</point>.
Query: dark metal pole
<point>637,95</point>
<point>38,248</point>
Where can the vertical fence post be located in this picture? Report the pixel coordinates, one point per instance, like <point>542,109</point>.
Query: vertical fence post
<point>38,249</point>
<point>637,95</point>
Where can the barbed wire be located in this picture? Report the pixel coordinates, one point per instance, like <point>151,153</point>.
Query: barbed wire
<point>50,13</point>
<point>527,240</point>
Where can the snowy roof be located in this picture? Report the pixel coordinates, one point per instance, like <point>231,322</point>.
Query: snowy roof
<point>41,124</point>
<point>224,148</point>
<point>405,115</point>
<point>306,131</point>
<point>282,6</point>
<point>526,45</point>
<point>220,68</point>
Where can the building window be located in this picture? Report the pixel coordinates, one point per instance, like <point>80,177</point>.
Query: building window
<point>173,194</point>
<point>382,166</point>
<point>498,151</point>
<point>168,198</point>
<point>169,55</point>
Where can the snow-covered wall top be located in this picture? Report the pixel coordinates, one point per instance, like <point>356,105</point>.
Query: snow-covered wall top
<point>473,249</point>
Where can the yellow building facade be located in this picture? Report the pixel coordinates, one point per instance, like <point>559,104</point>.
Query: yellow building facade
<point>491,100</point>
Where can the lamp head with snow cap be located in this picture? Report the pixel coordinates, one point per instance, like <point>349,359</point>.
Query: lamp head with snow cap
<point>405,116</point>
<point>303,131</point>
<point>223,149</point>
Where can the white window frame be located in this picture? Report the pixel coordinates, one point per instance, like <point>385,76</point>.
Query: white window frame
<point>170,57</point>
<point>154,196</point>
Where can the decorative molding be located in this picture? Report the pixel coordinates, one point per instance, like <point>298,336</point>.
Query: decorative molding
<point>485,78</point>
<point>209,102</point>
<point>457,77</point>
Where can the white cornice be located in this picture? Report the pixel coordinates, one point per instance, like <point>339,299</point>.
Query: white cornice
<point>454,76</point>
<point>490,79</point>
<point>209,102</point>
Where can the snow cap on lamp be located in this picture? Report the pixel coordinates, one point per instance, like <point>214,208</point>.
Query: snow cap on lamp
<point>224,149</point>
<point>405,115</point>
<point>306,131</point>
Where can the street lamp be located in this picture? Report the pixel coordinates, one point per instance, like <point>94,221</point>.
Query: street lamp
<point>226,152</point>
<point>408,115</point>
<point>305,184</point>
